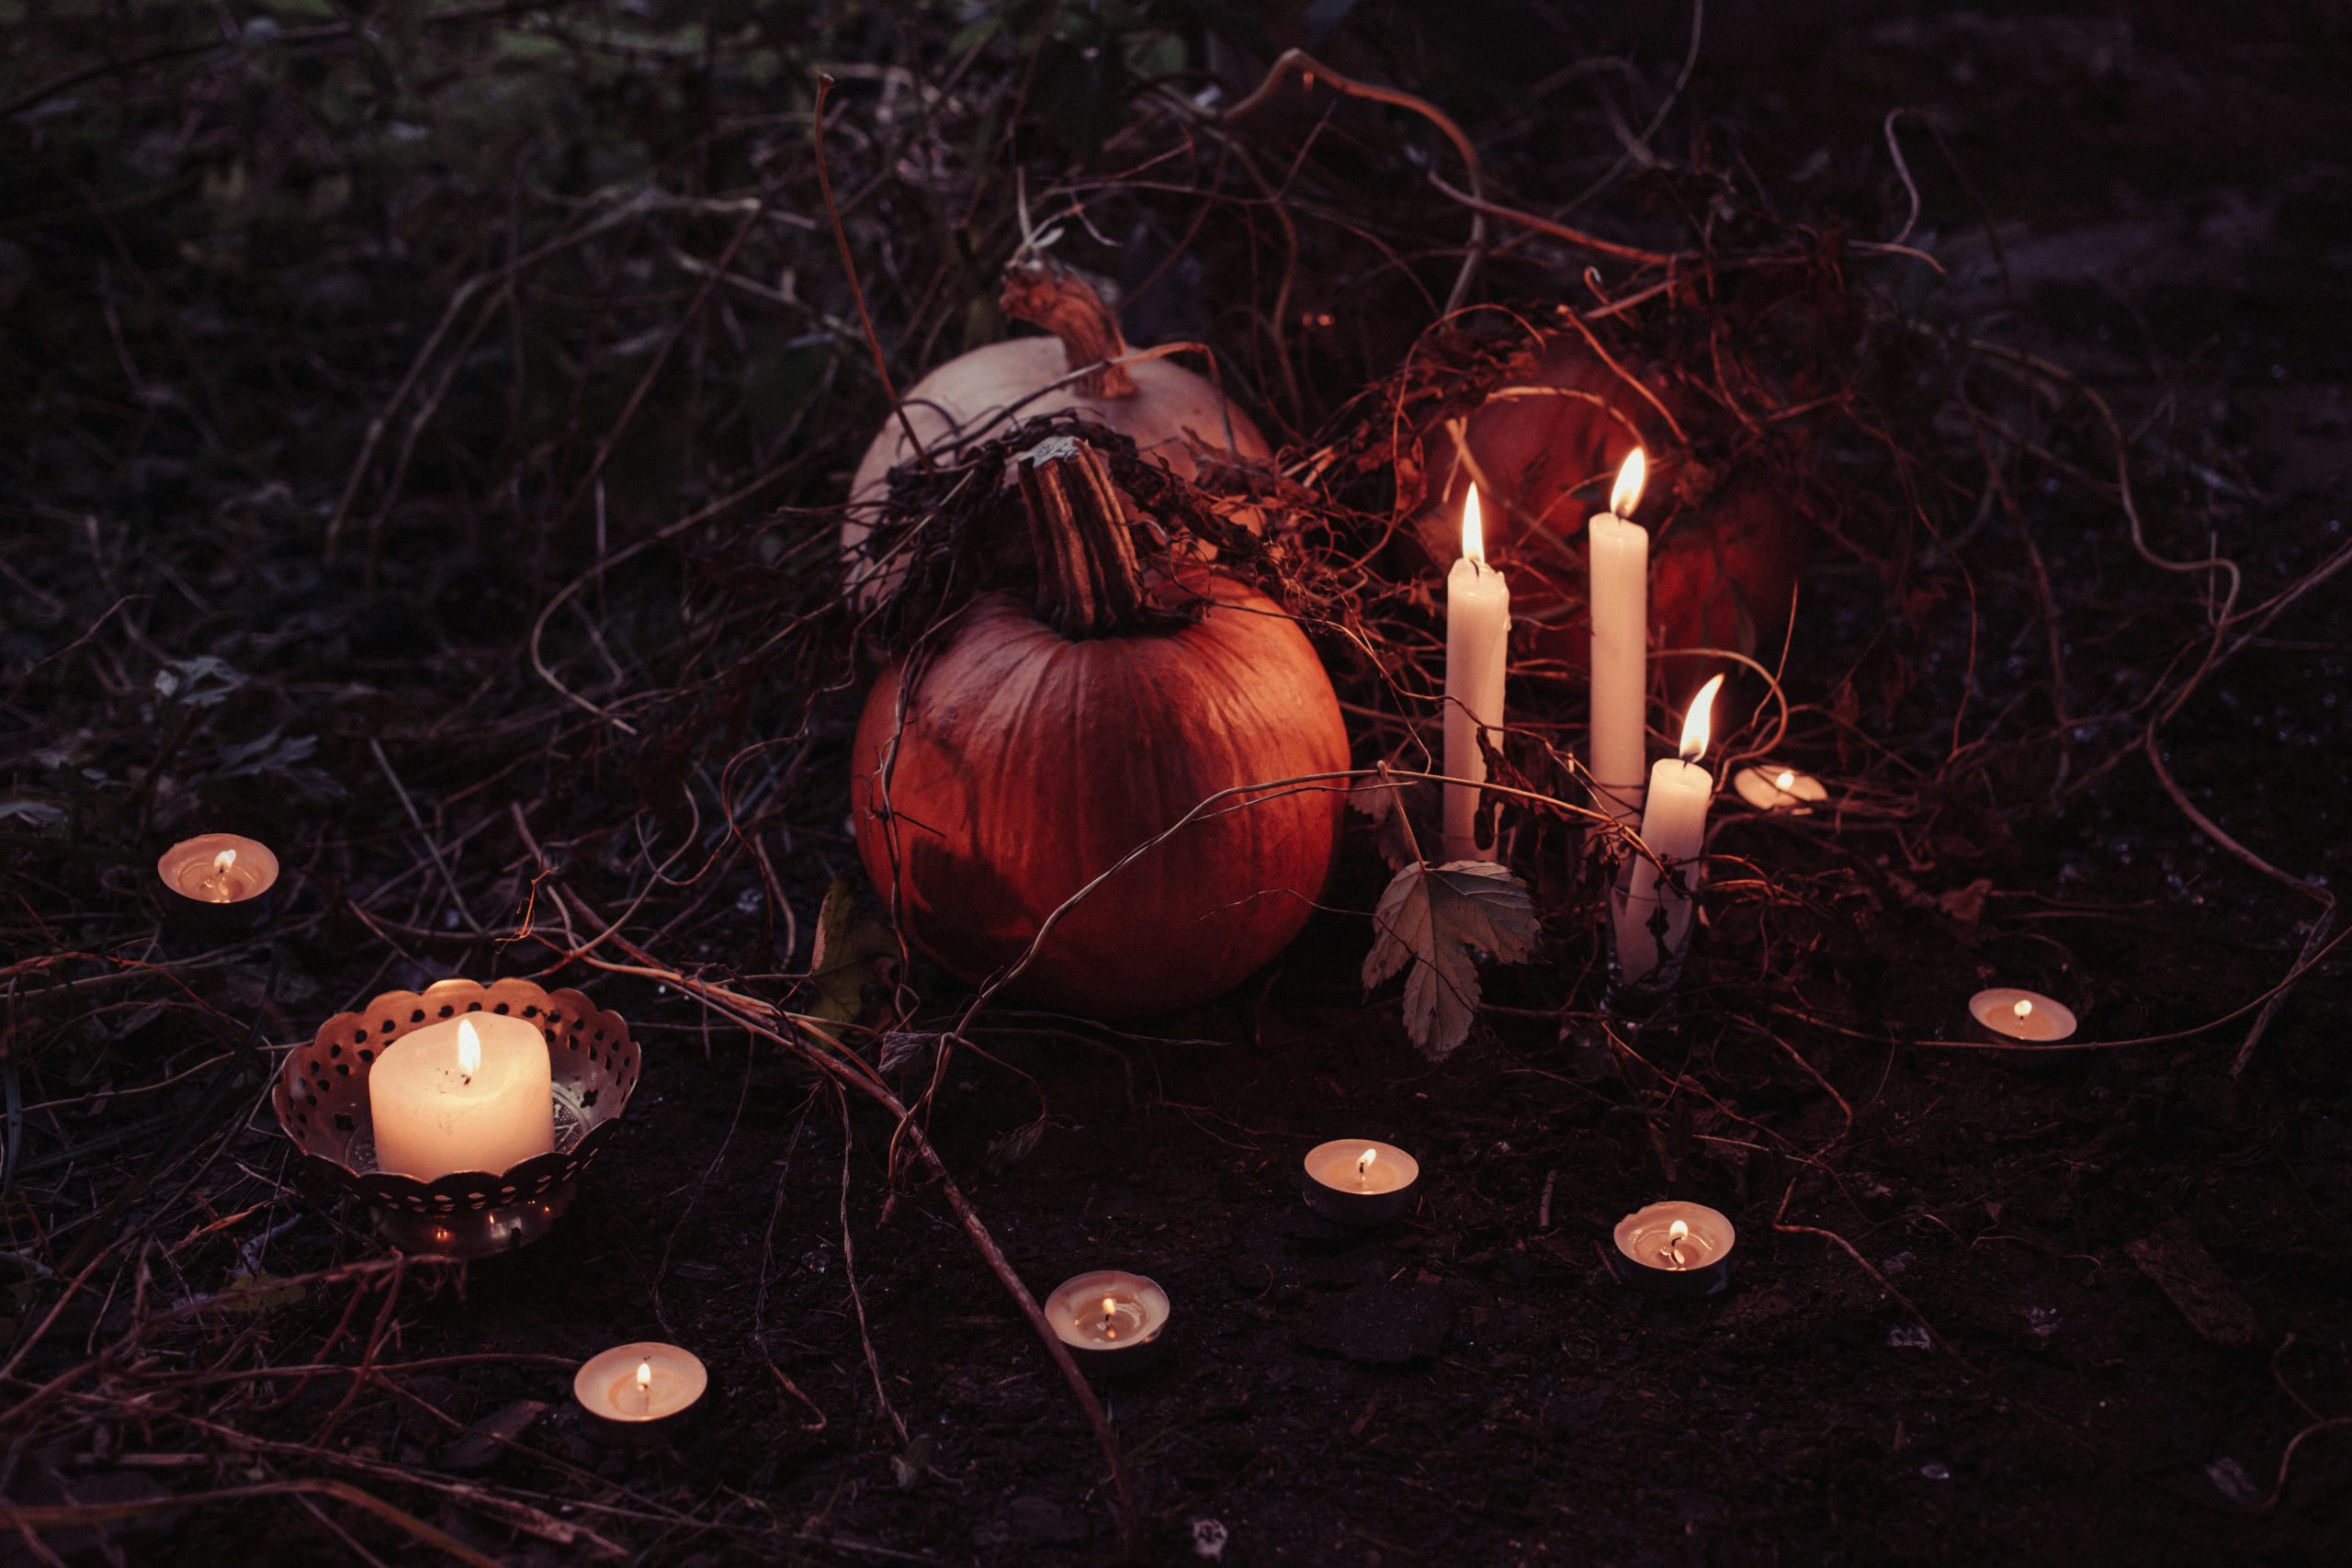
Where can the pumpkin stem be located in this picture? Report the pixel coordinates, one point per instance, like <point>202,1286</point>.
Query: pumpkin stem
<point>1052,297</point>
<point>1089,583</point>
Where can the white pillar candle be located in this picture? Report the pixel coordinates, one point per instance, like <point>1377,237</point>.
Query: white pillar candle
<point>1674,826</point>
<point>1478,623</point>
<point>471,1094</point>
<point>1618,555</point>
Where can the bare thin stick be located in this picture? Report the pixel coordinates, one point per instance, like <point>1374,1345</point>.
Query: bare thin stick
<point>431,848</point>
<point>849,268</point>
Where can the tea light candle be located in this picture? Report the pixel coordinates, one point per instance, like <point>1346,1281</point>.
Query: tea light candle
<point>473,1093</point>
<point>2007,1013</point>
<point>1356,1181</point>
<point>1617,556</point>
<point>217,878</point>
<point>641,1387</point>
<point>1112,1320</point>
<point>1477,628</point>
<point>1674,1249</point>
<point>1778,789</point>
<point>1674,826</point>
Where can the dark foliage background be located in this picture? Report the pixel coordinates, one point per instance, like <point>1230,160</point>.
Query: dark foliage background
<point>423,427</point>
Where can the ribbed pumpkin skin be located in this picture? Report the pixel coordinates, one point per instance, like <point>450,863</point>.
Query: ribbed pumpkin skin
<point>1028,765</point>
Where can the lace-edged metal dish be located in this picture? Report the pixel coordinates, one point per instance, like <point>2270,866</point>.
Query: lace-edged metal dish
<point>322,1102</point>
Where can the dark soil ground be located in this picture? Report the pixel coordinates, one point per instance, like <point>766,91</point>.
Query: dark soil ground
<point>2167,188</point>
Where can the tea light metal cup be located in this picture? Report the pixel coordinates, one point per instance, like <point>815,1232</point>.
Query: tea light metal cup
<point>217,884</point>
<point>1113,1322</point>
<point>1674,1249</point>
<point>640,1390</point>
<point>1359,1181</point>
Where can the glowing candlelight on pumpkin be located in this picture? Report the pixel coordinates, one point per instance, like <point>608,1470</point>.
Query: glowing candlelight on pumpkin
<point>1617,556</point>
<point>1477,626</point>
<point>471,1094</point>
<point>1674,827</point>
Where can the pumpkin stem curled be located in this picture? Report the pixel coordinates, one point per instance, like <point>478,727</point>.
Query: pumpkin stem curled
<point>1052,297</point>
<point>1089,583</point>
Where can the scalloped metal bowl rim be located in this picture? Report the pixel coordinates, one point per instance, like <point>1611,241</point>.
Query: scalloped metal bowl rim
<point>539,1172</point>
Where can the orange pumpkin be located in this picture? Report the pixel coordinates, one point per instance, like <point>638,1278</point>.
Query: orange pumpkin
<point>1042,744</point>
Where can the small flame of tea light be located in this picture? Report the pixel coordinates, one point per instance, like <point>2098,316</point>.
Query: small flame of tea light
<point>2005,1013</point>
<point>218,879</point>
<point>1674,1249</point>
<point>1778,789</point>
<point>1356,1181</point>
<point>640,1389</point>
<point>1112,1322</point>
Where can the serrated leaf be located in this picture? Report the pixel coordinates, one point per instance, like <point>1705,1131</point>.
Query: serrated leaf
<point>1438,921</point>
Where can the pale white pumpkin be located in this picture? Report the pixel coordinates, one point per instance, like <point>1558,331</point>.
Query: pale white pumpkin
<point>1174,415</point>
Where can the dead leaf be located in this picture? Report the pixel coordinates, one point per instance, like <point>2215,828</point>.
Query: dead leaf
<point>2173,1257</point>
<point>1016,1146</point>
<point>907,1469</point>
<point>258,1293</point>
<point>841,960</point>
<point>1966,905</point>
<point>903,1048</point>
<point>1438,920</point>
<point>487,1438</point>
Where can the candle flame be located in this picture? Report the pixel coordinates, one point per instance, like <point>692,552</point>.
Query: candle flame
<point>1473,531</point>
<point>644,1375</point>
<point>1694,724</point>
<point>1363,1161</point>
<point>222,862</point>
<point>468,1049</point>
<point>1784,781</point>
<point>1627,494</point>
<point>1676,1232</point>
<point>2024,1009</point>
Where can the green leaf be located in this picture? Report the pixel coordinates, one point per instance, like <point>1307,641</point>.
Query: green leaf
<point>1438,921</point>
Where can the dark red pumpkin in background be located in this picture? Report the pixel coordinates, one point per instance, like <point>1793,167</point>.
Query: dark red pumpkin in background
<point>1024,758</point>
<point>1727,538</point>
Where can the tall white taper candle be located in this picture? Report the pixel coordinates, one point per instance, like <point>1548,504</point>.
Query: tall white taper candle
<point>1618,555</point>
<point>1477,626</point>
